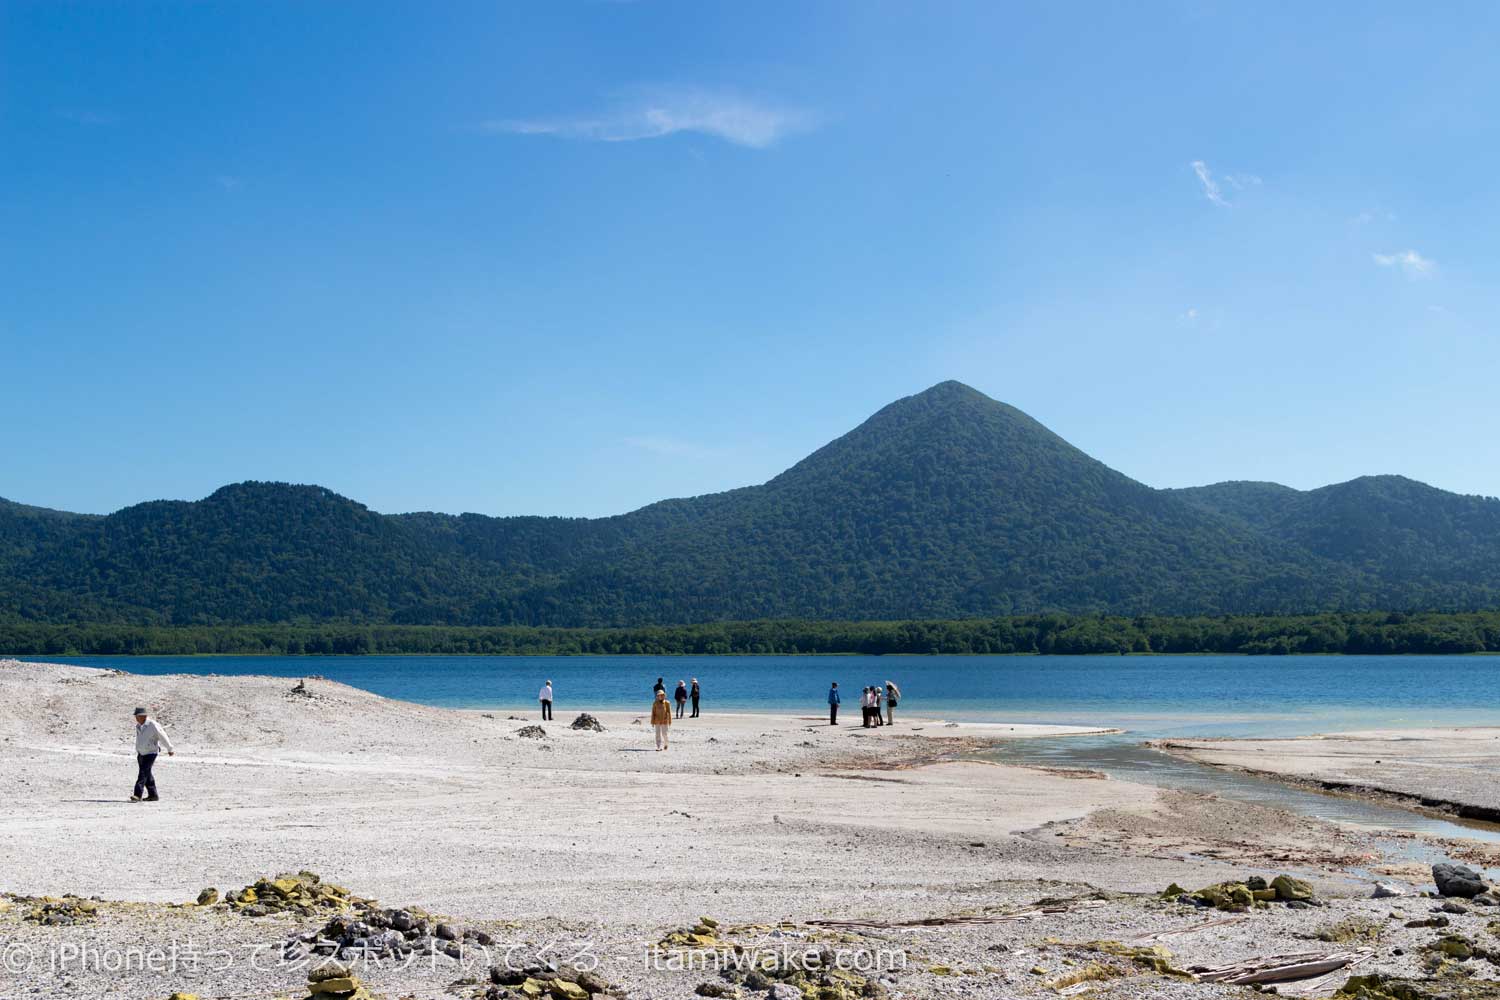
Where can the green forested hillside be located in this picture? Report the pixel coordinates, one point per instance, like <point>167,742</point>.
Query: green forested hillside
<point>946,504</point>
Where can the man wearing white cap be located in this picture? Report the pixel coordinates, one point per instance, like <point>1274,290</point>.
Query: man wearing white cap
<point>150,740</point>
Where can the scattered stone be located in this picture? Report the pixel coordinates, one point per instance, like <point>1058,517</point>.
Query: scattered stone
<point>532,732</point>
<point>328,969</point>
<point>1485,899</point>
<point>1232,897</point>
<point>1351,929</point>
<point>1388,890</point>
<point>1452,907</point>
<point>334,981</point>
<point>1429,922</point>
<point>1381,987</point>
<point>1290,889</point>
<point>208,897</point>
<point>586,721</point>
<point>1458,880</point>
<point>716,989</point>
<point>57,911</point>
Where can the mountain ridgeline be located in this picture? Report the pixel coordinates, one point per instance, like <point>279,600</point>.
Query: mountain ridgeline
<point>946,504</point>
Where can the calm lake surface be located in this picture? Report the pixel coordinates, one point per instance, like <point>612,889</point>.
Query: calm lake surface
<point>1151,696</point>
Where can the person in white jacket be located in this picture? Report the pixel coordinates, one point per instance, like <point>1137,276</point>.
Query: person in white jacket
<point>545,697</point>
<point>150,740</point>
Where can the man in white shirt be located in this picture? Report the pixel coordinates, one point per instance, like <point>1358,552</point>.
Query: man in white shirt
<point>546,699</point>
<point>150,740</point>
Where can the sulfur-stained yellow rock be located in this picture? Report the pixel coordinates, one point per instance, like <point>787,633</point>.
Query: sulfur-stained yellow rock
<point>564,990</point>
<point>343,984</point>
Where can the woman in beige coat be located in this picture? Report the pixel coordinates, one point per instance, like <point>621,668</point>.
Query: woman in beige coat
<point>661,718</point>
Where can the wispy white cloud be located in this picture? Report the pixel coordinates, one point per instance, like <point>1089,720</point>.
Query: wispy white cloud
<point>1190,315</point>
<point>653,115</point>
<point>1411,263</point>
<point>672,447</point>
<point>1213,188</point>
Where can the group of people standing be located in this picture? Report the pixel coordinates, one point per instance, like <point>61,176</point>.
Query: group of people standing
<point>661,712</point>
<point>869,703</point>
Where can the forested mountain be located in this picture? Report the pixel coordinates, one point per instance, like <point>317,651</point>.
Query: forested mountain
<point>945,504</point>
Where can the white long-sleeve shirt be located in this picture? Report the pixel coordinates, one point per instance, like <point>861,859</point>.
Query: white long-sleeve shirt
<point>150,737</point>
<point>546,694</point>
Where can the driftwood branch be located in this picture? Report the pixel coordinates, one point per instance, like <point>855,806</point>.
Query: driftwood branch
<point>1280,968</point>
<point>991,918</point>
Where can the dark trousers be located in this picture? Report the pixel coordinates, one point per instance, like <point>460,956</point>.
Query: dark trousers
<point>695,708</point>
<point>144,782</point>
<point>833,715</point>
<point>546,709</point>
<point>680,706</point>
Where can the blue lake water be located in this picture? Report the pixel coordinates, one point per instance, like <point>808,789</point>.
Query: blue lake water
<point>1151,696</point>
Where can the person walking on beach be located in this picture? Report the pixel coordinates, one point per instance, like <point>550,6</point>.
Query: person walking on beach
<point>150,740</point>
<point>680,696</point>
<point>695,694</point>
<point>661,718</point>
<point>833,704</point>
<point>658,687</point>
<point>545,697</point>
<point>892,695</point>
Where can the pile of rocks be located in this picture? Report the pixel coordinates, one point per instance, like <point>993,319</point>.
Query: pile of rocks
<point>1253,892</point>
<point>587,721</point>
<point>781,974</point>
<point>1382,987</point>
<point>377,933</point>
<point>334,981</point>
<point>532,732</point>
<point>794,976</point>
<point>304,894</point>
<point>703,934</point>
<point>56,911</point>
<point>535,980</point>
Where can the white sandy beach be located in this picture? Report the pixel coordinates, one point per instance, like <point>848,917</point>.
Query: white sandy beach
<point>755,819</point>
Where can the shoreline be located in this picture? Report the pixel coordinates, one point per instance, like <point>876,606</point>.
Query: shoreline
<point>1243,756</point>
<point>787,831</point>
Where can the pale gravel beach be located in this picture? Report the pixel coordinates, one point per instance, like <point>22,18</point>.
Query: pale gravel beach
<point>753,819</point>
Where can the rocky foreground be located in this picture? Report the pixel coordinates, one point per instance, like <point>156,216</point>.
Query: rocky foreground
<point>320,842</point>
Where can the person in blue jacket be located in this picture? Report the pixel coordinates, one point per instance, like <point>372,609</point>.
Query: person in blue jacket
<point>833,704</point>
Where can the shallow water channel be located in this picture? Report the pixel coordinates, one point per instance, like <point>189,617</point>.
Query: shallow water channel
<point>1123,756</point>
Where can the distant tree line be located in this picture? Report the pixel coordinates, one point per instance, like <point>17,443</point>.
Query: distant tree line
<point>1055,634</point>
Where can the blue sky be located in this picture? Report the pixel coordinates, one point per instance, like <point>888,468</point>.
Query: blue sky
<point>572,258</point>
